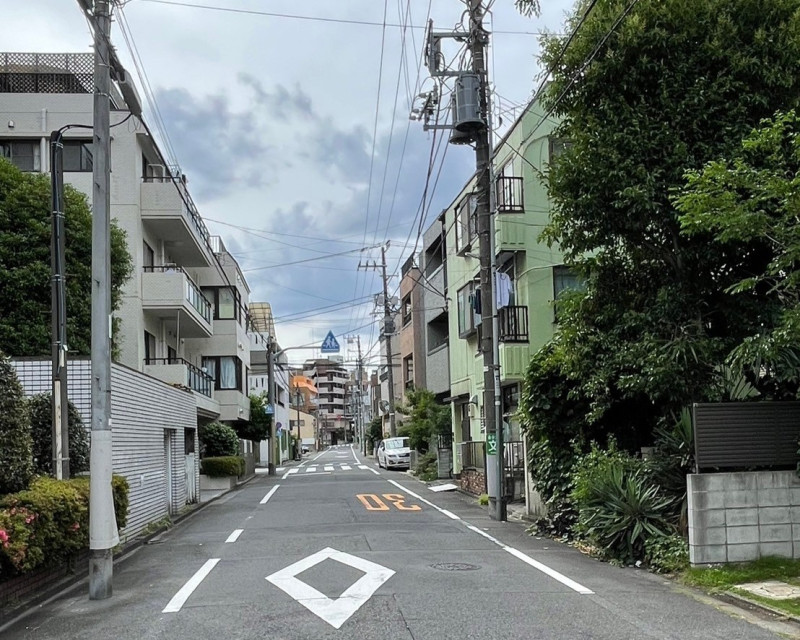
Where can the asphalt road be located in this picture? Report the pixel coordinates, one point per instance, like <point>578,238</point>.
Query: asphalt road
<point>336,548</point>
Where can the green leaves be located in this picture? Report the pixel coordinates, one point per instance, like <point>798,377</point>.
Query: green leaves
<point>25,264</point>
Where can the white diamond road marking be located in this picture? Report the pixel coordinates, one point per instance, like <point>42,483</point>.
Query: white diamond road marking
<point>335,612</point>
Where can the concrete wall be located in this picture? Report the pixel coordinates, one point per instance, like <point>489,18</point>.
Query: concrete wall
<point>736,517</point>
<point>151,421</point>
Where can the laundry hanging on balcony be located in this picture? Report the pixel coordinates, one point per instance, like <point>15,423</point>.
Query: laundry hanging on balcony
<point>503,289</point>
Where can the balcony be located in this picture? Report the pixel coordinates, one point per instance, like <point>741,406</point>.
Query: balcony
<point>167,215</point>
<point>513,324</point>
<point>509,195</point>
<point>169,293</point>
<point>179,372</point>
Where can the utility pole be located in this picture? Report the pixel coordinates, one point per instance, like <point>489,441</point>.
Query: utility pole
<point>359,375</point>
<point>297,396</point>
<point>271,466</point>
<point>58,311</point>
<point>387,331</point>
<point>478,40</point>
<point>103,534</point>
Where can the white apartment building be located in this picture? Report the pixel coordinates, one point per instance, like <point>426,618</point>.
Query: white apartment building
<point>331,380</point>
<point>184,314</point>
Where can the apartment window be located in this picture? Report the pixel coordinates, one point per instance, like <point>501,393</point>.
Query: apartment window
<point>407,310</point>
<point>226,371</point>
<point>225,300</point>
<point>78,155</point>
<point>564,279</point>
<point>469,310</point>
<point>466,222</point>
<point>557,148</point>
<point>26,155</point>
<point>148,255</point>
<point>149,347</point>
<point>172,355</point>
<point>408,371</point>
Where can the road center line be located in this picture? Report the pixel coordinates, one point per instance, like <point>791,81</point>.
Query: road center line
<point>266,498</point>
<point>234,536</point>
<point>180,598</point>
<point>568,582</point>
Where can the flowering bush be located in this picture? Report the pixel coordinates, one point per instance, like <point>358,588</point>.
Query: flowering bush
<point>48,523</point>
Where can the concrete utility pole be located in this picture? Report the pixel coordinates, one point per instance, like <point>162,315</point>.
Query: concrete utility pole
<point>387,331</point>
<point>271,466</point>
<point>478,40</point>
<point>103,534</point>
<point>58,311</point>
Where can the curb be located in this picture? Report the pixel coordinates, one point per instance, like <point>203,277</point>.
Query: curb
<point>15,613</point>
<point>743,601</point>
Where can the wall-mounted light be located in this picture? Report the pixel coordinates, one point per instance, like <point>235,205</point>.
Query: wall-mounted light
<point>11,124</point>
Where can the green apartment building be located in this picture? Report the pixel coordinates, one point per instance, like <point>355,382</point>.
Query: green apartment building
<point>530,276</point>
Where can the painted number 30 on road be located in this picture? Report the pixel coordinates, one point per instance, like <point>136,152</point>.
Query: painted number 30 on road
<point>372,502</point>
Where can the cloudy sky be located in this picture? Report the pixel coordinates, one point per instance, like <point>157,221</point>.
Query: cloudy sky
<point>290,119</point>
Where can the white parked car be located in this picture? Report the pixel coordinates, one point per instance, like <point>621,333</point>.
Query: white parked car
<point>394,453</point>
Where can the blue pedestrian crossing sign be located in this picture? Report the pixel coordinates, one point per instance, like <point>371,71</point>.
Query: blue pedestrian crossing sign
<point>329,344</point>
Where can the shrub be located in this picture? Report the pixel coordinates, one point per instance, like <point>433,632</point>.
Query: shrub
<point>427,468</point>
<point>42,434</point>
<point>222,466</point>
<point>48,523</point>
<point>217,439</point>
<point>667,554</point>
<point>551,471</point>
<point>16,460</point>
<point>620,507</point>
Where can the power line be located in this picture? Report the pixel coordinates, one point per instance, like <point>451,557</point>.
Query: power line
<point>286,264</point>
<point>367,23</point>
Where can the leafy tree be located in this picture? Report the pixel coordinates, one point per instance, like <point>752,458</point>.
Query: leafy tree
<point>217,439</point>
<point>16,462</point>
<point>258,427</point>
<point>375,431</point>
<point>25,264</point>
<point>42,434</point>
<point>676,83</point>
<point>426,419</point>
<point>750,203</point>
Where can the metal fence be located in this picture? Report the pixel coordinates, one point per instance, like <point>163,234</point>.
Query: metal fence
<point>742,435</point>
<point>473,454</point>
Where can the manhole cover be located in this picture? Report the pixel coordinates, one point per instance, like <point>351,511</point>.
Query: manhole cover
<point>454,566</point>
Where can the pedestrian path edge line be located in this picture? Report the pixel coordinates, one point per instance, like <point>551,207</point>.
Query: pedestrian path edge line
<point>270,493</point>
<point>180,598</point>
<point>560,577</point>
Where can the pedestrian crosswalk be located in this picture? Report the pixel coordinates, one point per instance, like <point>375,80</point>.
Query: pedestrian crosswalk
<point>326,468</point>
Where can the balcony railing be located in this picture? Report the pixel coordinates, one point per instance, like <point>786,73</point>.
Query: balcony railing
<point>191,209</point>
<point>509,195</point>
<point>473,454</point>
<point>196,379</point>
<point>193,294</point>
<point>513,324</point>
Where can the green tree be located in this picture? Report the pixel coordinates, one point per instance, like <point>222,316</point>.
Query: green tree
<point>25,264</point>
<point>217,439</point>
<point>42,434</point>
<point>749,203</point>
<point>426,418</point>
<point>258,427</point>
<point>375,431</point>
<point>676,83</point>
<point>16,461</point>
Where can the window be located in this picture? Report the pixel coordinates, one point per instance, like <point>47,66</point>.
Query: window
<point>564,279</point>
<point>463,413</point>
<point>557,148</point>
<point>438,332</point>
<point>226,371</point>
<point>466,222</point>
<point>469,310</point>
<point>26,155</point>
<point>225,301</point>
<point>510,395</point>
<point>148,255</point>
<point>408,372</point>
<point>407,310</point>
<point>78,155</point>
<point>149,347</point>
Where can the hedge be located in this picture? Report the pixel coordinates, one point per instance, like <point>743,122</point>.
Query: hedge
<point>217,439</point>
<point>222,466</point>
<point>48,523</point>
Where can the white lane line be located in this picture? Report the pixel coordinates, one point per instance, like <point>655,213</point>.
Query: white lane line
<point>377,473</point>
<point>346,467</point>
<point>363,467</point>
<point>289,472</point>
<point>568,582</point>
<point>269,494</point>
<point>311,469</point>
<point>180,598</point>
<point>328,467</point>
<point>355,457</point>
<point>234,536</point>
<point>319,455</point>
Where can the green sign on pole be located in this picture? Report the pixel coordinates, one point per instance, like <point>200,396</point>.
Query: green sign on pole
<point>491,444</point>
